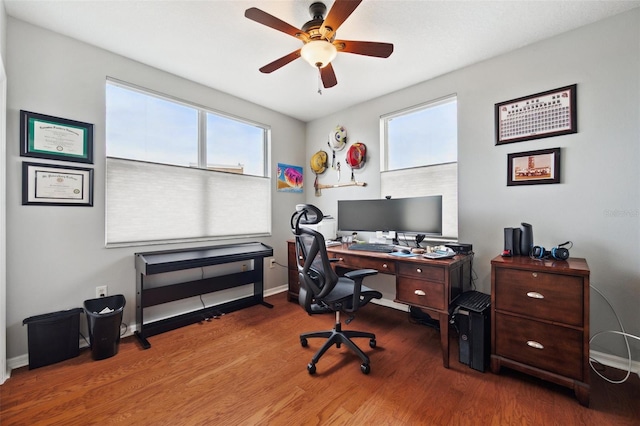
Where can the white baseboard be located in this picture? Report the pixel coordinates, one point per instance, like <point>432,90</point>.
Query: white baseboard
<point>23,360</point>
<point>279,289</point>
<point>603,358</point>
<point>391,304</point>
<point>615,361</point>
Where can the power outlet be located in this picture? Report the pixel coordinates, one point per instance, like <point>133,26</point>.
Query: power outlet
<point>272,263</point>
<point>101,291</point>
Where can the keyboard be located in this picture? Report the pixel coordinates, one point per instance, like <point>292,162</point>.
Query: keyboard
<point>474,301</point>
<point>378,248</point>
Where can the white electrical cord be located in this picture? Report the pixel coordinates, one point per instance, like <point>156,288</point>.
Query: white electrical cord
<point>622,333</point>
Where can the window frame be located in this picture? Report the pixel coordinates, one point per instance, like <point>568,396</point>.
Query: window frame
<point>202,114</point>
<point>202,124</point>
<point>384,129</point>
<point>433,179</point>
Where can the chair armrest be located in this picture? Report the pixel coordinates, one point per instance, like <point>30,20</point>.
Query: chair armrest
<point>357,277</point>
<point>360,274</point>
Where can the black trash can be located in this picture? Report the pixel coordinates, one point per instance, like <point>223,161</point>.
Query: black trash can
<point>104,316</point>
<point>53,337</point>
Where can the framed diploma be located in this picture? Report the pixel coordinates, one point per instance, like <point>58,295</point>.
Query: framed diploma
<point>542,115</point>
<point>53,138</point>
<point>52,185</point>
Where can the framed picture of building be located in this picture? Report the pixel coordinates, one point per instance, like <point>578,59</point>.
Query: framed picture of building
<point>533,167</point>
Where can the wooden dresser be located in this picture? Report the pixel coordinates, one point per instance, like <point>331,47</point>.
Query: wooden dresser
<point>540,320</point>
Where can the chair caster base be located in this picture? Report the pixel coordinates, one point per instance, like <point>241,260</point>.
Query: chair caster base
<point>311,368</point>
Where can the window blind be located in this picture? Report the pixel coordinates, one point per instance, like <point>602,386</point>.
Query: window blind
<point>441,179</point>
<point>147,202</point>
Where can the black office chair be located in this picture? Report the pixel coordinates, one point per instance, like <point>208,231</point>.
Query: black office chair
<point>321,290</point>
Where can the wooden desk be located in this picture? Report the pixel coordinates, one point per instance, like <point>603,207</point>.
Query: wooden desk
<point>430,285</point>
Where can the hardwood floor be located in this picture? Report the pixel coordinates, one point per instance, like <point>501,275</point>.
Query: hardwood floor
<point>248,368</point>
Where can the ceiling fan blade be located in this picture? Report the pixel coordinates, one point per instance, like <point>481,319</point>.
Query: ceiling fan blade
<point>367,48</point>
<point>271,21</point>
<point>279,63</point>
<point>328,76</point>
<point>339,13</point>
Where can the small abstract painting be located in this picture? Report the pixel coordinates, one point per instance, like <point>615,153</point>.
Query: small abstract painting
<point>290,178</point>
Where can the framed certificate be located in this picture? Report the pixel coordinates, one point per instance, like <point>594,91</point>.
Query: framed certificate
<point>52,185</point>
<point>54,138</point>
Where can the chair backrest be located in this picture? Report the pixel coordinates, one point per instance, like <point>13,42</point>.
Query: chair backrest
<point>317,277</point>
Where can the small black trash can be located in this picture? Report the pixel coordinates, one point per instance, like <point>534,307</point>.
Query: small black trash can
<point>104,316</point>
<point>53,337</point>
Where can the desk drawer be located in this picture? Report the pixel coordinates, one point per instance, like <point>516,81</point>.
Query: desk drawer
<point>553,297</point>
<point>383,266</point>
<point>549,347</point>
<point>420,293</point>
<point>422,271</point>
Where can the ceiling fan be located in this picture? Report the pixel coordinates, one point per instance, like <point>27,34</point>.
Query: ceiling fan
<point>319,38</point>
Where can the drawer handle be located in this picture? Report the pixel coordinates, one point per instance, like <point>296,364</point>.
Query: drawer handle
<point>385,266</point>
<point>420,293</point>
<point>535,344</point>
<point>418,270</point>
<point>535,295</point>
<point>534,275</point>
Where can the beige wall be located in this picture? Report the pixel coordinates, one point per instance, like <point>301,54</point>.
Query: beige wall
<point>597,205</point>
<point>57,255</point>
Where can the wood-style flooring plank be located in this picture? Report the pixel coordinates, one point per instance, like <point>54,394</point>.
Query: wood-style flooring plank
<point>248,368</point>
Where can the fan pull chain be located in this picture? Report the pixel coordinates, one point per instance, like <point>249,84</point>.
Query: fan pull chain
<point>319,82</point>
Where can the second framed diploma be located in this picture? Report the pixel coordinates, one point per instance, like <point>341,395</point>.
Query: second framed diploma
<point>47,184</point>
<point>54,138</point>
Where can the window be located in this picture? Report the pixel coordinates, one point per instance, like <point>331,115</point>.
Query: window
<point>419,147</point>
<point>179,172</point>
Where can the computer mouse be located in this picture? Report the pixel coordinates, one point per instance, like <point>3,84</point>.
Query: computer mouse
<point>405,251</point>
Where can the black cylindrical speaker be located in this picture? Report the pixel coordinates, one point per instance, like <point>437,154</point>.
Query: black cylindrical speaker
<point>526,239</point>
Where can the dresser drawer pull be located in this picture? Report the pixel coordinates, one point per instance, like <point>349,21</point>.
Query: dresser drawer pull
<point>385,266</point>
<point>535,344</point>
<point>420,293</point>
<point>534,275</point>
<point>535,295</point>
<point>418,270</point>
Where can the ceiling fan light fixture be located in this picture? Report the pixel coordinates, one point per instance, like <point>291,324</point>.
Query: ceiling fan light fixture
<point>318,53</point>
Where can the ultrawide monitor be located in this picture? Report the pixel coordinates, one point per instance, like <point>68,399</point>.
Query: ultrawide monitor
<point>417,215</point>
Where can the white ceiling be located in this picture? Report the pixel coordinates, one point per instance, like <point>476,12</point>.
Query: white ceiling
<point>212,43</point>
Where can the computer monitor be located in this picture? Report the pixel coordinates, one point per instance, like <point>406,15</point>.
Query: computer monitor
<point>416,215</point>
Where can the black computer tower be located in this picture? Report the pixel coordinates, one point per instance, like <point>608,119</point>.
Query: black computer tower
<point>474,337</point>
